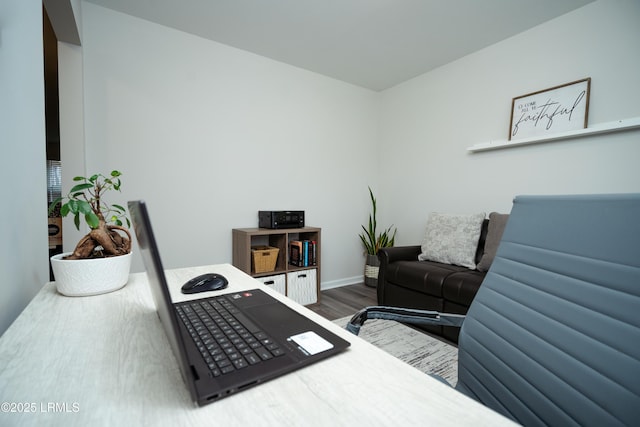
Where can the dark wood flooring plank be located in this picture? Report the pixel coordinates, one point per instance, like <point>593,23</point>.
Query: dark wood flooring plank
<point>344,301</point>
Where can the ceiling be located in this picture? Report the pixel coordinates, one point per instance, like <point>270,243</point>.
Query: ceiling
<point>375,44</point>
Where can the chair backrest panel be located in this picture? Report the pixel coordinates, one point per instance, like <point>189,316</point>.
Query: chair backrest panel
<point>553,335</point>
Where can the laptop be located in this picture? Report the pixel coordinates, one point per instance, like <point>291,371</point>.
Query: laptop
<point>228,342</point>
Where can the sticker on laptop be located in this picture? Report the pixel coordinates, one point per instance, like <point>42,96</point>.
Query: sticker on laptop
<point>311,343</point>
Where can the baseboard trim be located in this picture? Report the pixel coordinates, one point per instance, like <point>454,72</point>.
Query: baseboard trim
<point>341,282</point>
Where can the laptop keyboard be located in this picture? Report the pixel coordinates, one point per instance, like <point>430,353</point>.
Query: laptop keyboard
<point>226,338</point>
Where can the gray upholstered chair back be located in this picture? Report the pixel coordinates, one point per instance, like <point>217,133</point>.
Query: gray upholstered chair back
<point>553,335</point>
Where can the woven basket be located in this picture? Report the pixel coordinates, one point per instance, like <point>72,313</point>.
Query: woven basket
<point>263,258</point>
<point>371,269</point>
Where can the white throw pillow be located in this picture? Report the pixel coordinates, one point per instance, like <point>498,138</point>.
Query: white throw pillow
<point>452,239</point>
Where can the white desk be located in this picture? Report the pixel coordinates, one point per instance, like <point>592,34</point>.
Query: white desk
<point>104,360</point>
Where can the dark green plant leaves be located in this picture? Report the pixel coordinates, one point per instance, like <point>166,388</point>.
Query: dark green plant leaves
<point>85,199</point>
<point>370,239</point>
<point>53,205</point>
<point>80,188</point>
<point>92,220</point>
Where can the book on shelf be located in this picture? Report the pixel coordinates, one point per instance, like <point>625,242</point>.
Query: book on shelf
<point>295,253</point>
<point>303,253</point>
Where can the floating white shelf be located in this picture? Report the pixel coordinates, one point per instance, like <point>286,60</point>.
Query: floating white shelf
<point>610,127</point>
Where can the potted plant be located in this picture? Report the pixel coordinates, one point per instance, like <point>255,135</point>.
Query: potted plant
<point>372,242</point>
<point>101,260</point>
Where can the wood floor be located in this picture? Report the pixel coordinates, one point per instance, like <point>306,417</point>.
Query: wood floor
<point>344,301</point>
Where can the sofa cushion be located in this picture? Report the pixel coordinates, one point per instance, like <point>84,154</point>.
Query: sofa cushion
<point>422,276</point>
<point>497,223</point>
<point>461,287</point>
<point>452,239</point>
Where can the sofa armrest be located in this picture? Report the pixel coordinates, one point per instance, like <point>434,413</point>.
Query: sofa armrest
<point>390,255</point>
<point>399,253</point>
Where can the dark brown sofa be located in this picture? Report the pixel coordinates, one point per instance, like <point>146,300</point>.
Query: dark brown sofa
<point>404,281</point>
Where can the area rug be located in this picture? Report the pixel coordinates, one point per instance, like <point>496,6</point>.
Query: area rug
<point>418,349</point>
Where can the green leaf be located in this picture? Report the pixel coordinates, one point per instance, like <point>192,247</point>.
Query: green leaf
<point>84,207</point>
<point>87,194</point>
<point>81,187</point>
<point>92,220</point>
<point>73,206</point>
<point>370,239</point>
<point>366,244</point>
<point>53,204</point>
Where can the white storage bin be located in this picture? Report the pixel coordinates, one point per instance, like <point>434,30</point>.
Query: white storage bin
<point>276,282</point>
<point>301,286</point>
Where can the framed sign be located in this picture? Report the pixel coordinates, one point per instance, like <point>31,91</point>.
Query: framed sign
<point>557,109</point>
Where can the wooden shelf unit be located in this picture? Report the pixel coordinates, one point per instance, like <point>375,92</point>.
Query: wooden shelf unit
<point>245,238</point>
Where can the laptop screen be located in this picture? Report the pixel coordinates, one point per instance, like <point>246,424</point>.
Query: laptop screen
<point>158,283</point>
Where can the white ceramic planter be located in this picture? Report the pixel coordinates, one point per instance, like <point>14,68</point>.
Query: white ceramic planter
<point>83,277</point>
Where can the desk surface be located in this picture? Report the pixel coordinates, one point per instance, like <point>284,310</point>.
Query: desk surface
<point>105,360</point>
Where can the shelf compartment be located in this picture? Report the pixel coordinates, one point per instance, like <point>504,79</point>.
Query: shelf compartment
<point>301,286</point>
<point>305,291</point>
<point>276,282</point>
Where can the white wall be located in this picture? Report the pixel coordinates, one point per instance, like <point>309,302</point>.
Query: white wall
<point>428,122</point>
<point>23,218</point>
<point>72,140</point>
<point>209,135</point>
